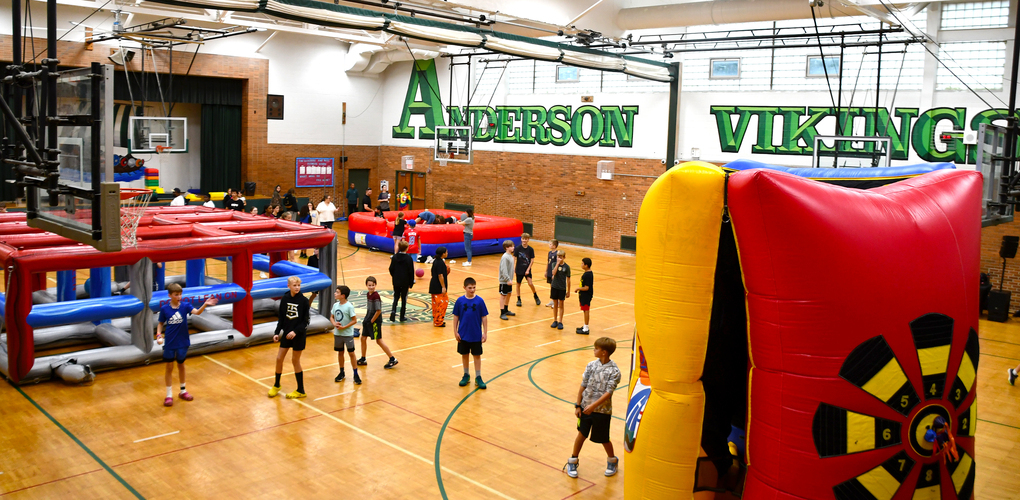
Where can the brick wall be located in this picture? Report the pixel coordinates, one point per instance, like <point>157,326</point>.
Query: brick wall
<point>991,263</point>
<point>534,188</point>
<point>279,167</point>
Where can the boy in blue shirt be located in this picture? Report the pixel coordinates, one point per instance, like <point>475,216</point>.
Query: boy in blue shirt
<point>471,329</point>
<point>173,317</point>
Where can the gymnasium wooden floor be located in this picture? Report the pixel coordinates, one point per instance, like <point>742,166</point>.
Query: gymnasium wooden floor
<point>410,432</point>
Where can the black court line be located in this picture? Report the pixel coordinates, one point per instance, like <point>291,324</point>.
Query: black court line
<point>81,444</point>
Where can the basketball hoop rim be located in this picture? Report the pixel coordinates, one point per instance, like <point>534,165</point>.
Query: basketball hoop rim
<point>128,193</point>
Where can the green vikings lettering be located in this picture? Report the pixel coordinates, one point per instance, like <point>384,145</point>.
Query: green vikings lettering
<point>906,128</point>
<point>586,126</point>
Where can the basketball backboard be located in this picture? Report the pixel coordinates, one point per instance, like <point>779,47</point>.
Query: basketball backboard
<point>453,144</point>
<point>88,210</point>
<point>147,132</point>
<point>851,152</point>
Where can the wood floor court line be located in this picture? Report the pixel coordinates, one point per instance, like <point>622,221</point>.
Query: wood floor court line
<point>370,435</point>
<point>51,481</point>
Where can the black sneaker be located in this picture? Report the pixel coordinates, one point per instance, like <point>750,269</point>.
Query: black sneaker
<point>403,319</point>
<point>509,313</point>
<point>357,379</point>
<point>519,302</point>
<point>362,361</point>
<point>559,326</point>
<point>581,331</point>
<point>503,316</point>
<point>554,324</point>
<point>1012,376</point>
<point>393,318</point>
<point>340,377</point>
<point>538,301</point>
<point>393,362</point>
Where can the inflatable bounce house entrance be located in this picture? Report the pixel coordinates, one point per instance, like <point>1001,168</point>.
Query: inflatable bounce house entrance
<point>837,326</point>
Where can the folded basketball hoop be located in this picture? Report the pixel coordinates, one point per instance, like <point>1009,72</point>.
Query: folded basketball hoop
<point>133,202</point>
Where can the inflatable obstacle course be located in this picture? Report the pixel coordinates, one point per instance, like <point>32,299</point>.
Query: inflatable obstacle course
<point>833,324</point>
<point>37,317</point>
<point>366,230</point>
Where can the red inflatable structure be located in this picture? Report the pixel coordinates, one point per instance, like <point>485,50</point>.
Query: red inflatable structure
<point>164,234</point>
<point>366,230</point>
<point>862,330</point>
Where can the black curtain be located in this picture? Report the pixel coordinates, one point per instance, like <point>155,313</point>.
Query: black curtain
<point>186,88</point>
<point>221,147</point>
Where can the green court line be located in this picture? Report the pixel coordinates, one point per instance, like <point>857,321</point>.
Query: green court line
<point>446,423</point>
<point>1000,357</point>
<point>571,403</point>
<point>81,444</point>
<point>998,423</point>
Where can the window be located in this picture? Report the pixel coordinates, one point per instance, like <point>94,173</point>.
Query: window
<point>567,74</point>
<point>972,15</point>
<point>725,68</point>
<point>815,68</point>
<point>979,64</point>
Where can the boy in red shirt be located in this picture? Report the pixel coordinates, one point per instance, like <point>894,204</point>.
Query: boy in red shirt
<point>413,244</point>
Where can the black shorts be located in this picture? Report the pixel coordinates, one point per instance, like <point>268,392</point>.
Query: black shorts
<point>557,294</point>
<point>520,277</point>
<point>474,348</point>
<point>372,330</point>
<point>505,289</point>
<point>597,424</point>
<point>585,299</point>
<point>297,343</point>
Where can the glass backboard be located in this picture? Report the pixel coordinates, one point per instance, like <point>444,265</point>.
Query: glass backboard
<point>147,132</point>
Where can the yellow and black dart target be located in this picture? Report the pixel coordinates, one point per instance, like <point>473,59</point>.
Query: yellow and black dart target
<point>875,368</point>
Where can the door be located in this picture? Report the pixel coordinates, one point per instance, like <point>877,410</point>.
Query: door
<point>418,191</point>
<point>360,180</point>
<point>404,180</point>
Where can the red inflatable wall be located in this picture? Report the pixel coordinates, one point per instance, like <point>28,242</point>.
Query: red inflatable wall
<point>487,227</point>
<point>862,320</point>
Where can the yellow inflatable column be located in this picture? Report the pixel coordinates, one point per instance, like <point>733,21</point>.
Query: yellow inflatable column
<point>678,238</point>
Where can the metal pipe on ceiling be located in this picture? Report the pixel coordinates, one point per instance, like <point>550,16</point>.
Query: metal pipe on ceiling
<point>722,12</point>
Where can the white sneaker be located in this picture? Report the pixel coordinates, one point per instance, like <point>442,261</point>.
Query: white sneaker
<point>611,466</point>
<point>571,467</point>
<point>429,260</point>
<point>451,262</point>
<point>466,264</point>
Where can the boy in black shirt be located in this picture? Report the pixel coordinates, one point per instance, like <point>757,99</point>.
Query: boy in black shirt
<point>584,293</point>
<point>525,257</point>
<point>293,320</point>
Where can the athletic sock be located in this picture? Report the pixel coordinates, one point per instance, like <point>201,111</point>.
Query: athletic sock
<point>169,391</point>
<point>300,376</point>
<point>183,389</point>
<point>277,384</point>
<point>466,371</point>
<point>478,373</point>
<point>585,328</point>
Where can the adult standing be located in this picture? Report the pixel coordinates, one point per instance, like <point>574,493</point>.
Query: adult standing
<point>366,201</point>
<point>290,204</point>
<point>352,200</point>
<point>384,198</point>
<point>469,233</point>
<point>326,211</point>
<point>402,273</point>
<point>437,288</point>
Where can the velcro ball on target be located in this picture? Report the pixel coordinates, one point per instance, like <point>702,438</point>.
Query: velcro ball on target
<point>862,322</point>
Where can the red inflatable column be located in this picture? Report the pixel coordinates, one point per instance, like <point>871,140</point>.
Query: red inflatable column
<point>275,257</point>
<point>38,281</point>
<point>20,341</point>
<point>241,268</point>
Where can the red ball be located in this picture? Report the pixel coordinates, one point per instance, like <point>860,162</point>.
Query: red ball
<point>420,273</point>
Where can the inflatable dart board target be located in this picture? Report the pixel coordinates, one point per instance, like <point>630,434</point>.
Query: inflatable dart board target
<point>860,330</point>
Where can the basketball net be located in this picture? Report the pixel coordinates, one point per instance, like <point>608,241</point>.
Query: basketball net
<point>443,157</point>
<point>133,203</point>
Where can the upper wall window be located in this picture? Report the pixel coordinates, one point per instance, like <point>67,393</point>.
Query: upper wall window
<point>815,68</point>
<point>970,15</point>
<point>725,69</point>
<point>567,74</point>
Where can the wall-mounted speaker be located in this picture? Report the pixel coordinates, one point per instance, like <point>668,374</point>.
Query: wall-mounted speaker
<point>998,305</point>
<point>274,107</point>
